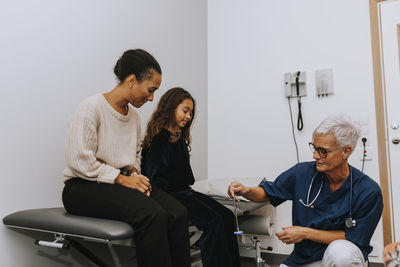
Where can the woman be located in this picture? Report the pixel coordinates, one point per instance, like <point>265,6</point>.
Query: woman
<point>102,177</point>
<point>335,207</point>
<point>165,161</point>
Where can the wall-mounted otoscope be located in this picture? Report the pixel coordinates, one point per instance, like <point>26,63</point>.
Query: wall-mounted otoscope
<point>295,86</point>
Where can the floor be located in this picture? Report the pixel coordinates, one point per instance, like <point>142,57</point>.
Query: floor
<point>251,263</point>
<point>273,260</point>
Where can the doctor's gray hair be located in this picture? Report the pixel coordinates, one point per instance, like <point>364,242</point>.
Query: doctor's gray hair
<point>345,130</point>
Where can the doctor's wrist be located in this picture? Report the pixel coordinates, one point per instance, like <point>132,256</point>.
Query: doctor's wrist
<point>248,193</point>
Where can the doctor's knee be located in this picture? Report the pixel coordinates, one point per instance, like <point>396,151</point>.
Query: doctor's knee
<point>343,253</point>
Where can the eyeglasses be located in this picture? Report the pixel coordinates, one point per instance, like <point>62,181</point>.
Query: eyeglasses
<point>322,152</point>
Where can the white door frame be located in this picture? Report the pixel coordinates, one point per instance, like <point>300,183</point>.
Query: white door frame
<point>381,123</point>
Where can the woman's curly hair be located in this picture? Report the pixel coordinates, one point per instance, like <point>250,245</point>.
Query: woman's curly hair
<point>164,116</point>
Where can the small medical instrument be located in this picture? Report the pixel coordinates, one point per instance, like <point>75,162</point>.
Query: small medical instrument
<point>295,87</point>
<point>237,232</point>
<point>300,123</point>
<point>349,222</point>
<point>363,140</point>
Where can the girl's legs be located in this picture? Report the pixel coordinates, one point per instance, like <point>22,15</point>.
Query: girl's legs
<point>232,257</point>
<point>178,227</point>
<point>159,221</point>
<point>218,244</point>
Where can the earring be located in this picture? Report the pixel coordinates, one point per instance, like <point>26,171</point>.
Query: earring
<point>130,86</point>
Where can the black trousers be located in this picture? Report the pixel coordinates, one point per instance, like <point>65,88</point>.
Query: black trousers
<point>218,244</point>
<point>160,222</point>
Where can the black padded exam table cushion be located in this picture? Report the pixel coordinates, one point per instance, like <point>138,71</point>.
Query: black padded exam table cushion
<point>57,220</point>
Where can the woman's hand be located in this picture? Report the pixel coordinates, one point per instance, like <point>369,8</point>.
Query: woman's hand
<point>292,234</point>
<point>138,182</point>
<point>237,189</point>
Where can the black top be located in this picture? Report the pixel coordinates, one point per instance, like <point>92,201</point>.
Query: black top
<point>167,164</point>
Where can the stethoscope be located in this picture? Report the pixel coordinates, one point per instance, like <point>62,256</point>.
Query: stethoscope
<point>349,222</point>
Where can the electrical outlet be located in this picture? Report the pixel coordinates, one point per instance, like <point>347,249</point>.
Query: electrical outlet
<point>369,152</point>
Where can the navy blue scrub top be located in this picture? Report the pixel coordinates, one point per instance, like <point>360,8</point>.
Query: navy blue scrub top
<point>330,209</point>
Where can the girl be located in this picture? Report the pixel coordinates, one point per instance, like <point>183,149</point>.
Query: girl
<point>165,161</point>
<point>103,164</point>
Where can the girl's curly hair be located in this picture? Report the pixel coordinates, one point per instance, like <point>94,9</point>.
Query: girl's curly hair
<point>164,116</point>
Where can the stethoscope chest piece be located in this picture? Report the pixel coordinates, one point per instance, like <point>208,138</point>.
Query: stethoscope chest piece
<point>350,223</point>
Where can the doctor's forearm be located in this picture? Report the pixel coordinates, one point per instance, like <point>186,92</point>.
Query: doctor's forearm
<point>256,194</point>
<point>324,236</point>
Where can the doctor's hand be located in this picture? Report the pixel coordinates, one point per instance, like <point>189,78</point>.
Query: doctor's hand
<point>237,189</point>
<point>138,182</point>
<point>292,234</point>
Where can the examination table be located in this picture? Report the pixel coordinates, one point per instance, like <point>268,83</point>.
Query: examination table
<point>68,229</point>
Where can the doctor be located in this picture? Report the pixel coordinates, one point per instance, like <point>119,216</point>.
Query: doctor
<point>336,207</point>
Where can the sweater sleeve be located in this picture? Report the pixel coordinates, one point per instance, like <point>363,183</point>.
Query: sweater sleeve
<point>81,147</point>
<point>138,147</point>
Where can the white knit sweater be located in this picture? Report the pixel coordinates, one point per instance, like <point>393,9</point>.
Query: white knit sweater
<point>101,141</point>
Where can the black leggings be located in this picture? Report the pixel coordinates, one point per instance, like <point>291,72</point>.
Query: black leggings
<point>218,244</point>
<point>160,222</point>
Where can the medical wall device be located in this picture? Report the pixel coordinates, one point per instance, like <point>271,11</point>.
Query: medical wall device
<point>324,82</point>
<point>295,84</point>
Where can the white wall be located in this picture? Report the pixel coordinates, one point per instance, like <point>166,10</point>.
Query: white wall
<point>54,54</point>
<point>251,44</point>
